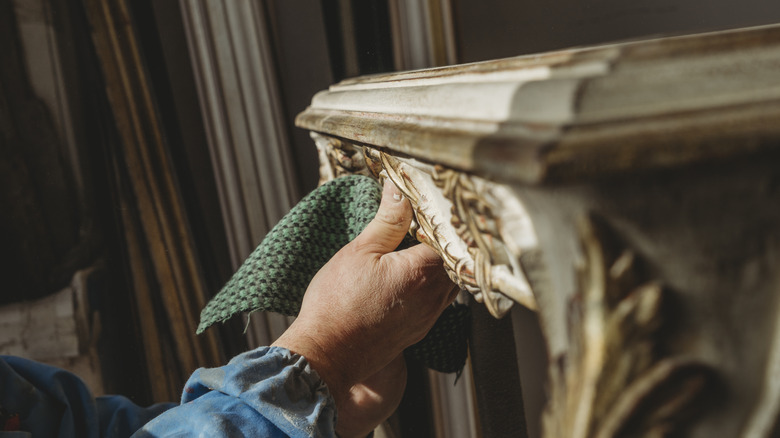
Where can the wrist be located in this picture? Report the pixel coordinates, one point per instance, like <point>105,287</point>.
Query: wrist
<point>321,356</point>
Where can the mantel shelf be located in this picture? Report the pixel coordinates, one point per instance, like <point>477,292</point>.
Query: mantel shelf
<point>572,114</point>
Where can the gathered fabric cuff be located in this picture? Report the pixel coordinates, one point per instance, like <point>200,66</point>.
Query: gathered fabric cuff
<point>279,384</point>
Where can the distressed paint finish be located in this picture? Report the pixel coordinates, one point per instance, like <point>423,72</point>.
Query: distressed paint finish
<point>628,193</point>
<point>572,114</point>
<point>454,214</point>
<point>615,381</point>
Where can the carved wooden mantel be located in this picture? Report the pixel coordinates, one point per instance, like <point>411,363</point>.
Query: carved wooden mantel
<point>630,193</point>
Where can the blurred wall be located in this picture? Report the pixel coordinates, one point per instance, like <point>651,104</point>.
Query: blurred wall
<point>490,29</point>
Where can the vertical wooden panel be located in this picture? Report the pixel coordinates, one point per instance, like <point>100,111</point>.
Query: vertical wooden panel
<point>161,252</point>
<point>239,93</point>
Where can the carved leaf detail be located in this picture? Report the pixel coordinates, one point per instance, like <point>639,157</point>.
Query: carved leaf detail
<point>475,223</point>
<point>455,214</point>
<point>613,382</point>
<point>338,158</point>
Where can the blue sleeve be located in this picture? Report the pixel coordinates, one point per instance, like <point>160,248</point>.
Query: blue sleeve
<point>40,400</point>
<point>268,392</point>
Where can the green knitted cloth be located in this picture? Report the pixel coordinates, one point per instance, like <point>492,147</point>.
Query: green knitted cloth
<point>277,273</point>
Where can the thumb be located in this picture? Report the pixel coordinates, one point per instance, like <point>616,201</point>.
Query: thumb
<point>388,228</point>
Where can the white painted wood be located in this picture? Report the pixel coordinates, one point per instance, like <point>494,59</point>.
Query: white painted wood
<point>533,118</point>
<point>423,34</point>
<point>648,173</point>
<point>453,404</point>
<point>239,94</point>
<point>411,35</point>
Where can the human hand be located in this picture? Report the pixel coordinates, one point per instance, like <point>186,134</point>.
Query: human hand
<point>362,309</point>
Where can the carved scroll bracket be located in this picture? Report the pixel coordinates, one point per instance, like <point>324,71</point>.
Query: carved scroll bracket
<point>614,380</point>
<point>338,158</point>
<point>479,228</point>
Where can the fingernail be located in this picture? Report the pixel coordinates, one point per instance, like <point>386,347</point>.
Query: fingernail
<point>392,189</point>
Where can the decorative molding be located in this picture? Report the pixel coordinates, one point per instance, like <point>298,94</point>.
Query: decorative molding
<point>423,33</point>
<point>338,158</point>
<point>455,214</point>
<point>239,94</point>
<point>612,132</point>
<point>238,89</point>
<point>497,230</point>
<point>612,381</point>
<point>572,114</point>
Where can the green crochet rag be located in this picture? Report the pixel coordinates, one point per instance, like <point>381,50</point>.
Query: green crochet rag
<point>277,273</point>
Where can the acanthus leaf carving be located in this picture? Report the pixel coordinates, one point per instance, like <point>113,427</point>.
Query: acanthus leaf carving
<point>338,158</point>
<point>476,223</point>
<point>613,380</point>
<point>455,215</point>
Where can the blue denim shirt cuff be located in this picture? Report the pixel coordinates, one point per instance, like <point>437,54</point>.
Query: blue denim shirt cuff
<point>268,390</point>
